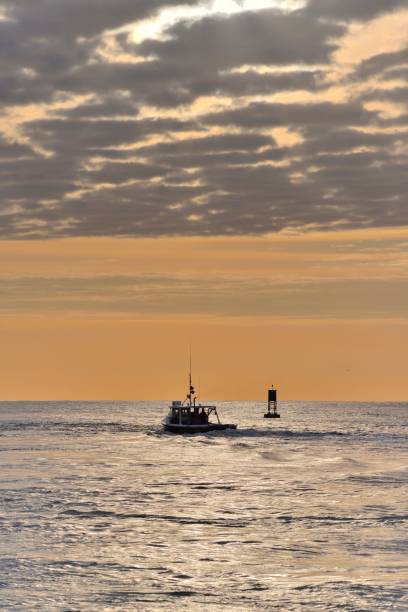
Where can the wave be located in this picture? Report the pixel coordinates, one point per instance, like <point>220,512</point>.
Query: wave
<point>182,520</point>
<point>76,428</point>
<point>333,519</point>
<point>253,432</point>
<point>379,479</point>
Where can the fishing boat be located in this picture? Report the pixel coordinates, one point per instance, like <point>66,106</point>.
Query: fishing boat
<point>191,417</point>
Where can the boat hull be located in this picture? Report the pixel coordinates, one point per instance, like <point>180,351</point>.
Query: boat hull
<point>192,429</point>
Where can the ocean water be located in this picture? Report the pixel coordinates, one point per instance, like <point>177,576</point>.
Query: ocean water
<point>102,510</point>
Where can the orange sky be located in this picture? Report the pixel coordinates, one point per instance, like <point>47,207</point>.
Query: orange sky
<point>260,182</point>
<point>233,358</point>
<point>307,328</point>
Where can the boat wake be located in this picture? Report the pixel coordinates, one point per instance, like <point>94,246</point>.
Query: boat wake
<point>253,432</point>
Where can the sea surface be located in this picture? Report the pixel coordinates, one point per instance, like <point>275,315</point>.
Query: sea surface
<point>102,510</point>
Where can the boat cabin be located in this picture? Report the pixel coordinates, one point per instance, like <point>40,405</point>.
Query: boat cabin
<point>194,414</point>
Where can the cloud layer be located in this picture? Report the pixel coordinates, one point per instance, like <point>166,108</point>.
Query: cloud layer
<point>151,295</point>
<point>221,124</point>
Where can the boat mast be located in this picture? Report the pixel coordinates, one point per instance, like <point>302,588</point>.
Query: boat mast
<point>191,392</point>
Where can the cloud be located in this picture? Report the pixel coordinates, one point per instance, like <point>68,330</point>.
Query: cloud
<point>349,10</point>
<point>261,37</point>
<point>71,19</point>
<point>225,124</point>
<point>383,62</point>
<point>217,295</point>
<point>13,151</point>
<point>265,115</point>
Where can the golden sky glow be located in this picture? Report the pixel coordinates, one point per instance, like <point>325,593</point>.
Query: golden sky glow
<point>108,343</point>
<point>233,358</point>
<point>380,254</point>
<point>227,172</point>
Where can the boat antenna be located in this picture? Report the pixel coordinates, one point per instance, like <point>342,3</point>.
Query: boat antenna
<point>190,367</point>
<point>191,391</point>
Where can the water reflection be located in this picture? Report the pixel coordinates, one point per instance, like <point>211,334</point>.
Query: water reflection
<point>101,509</point>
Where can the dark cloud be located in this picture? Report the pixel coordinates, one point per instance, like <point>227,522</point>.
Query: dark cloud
<point>262,115</point>
<point>252,83</point>
<point>212,144</point>
<point>121,172</point>
<point>13,150</point>
<point>110,106</point>
<point>262,37</point>
<point>31,65</point>
<point>148,82</point>
<point>341,140</point>
<point>227,158</point>
<point>84,136</point>
<point>382,62</point>
<point>57,42</point>
<point>349,10</point>
<point>102,165</point>
<point>54,39</point>
<point>395,122</point>
<point>398,95</point>
<point>71,19</point>
<point>397,73</point>
<point>35,179</point>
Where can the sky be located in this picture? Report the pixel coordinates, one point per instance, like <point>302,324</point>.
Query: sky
<point>230,174</point>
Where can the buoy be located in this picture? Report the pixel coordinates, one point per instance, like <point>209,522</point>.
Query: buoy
<point>272,405</point>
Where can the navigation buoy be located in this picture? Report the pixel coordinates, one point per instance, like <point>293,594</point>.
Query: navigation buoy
<point>272,405</point>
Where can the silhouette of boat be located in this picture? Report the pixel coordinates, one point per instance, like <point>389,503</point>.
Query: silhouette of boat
<point>192,417</point>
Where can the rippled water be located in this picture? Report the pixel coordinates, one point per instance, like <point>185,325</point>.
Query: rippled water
<point>101,510</point>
